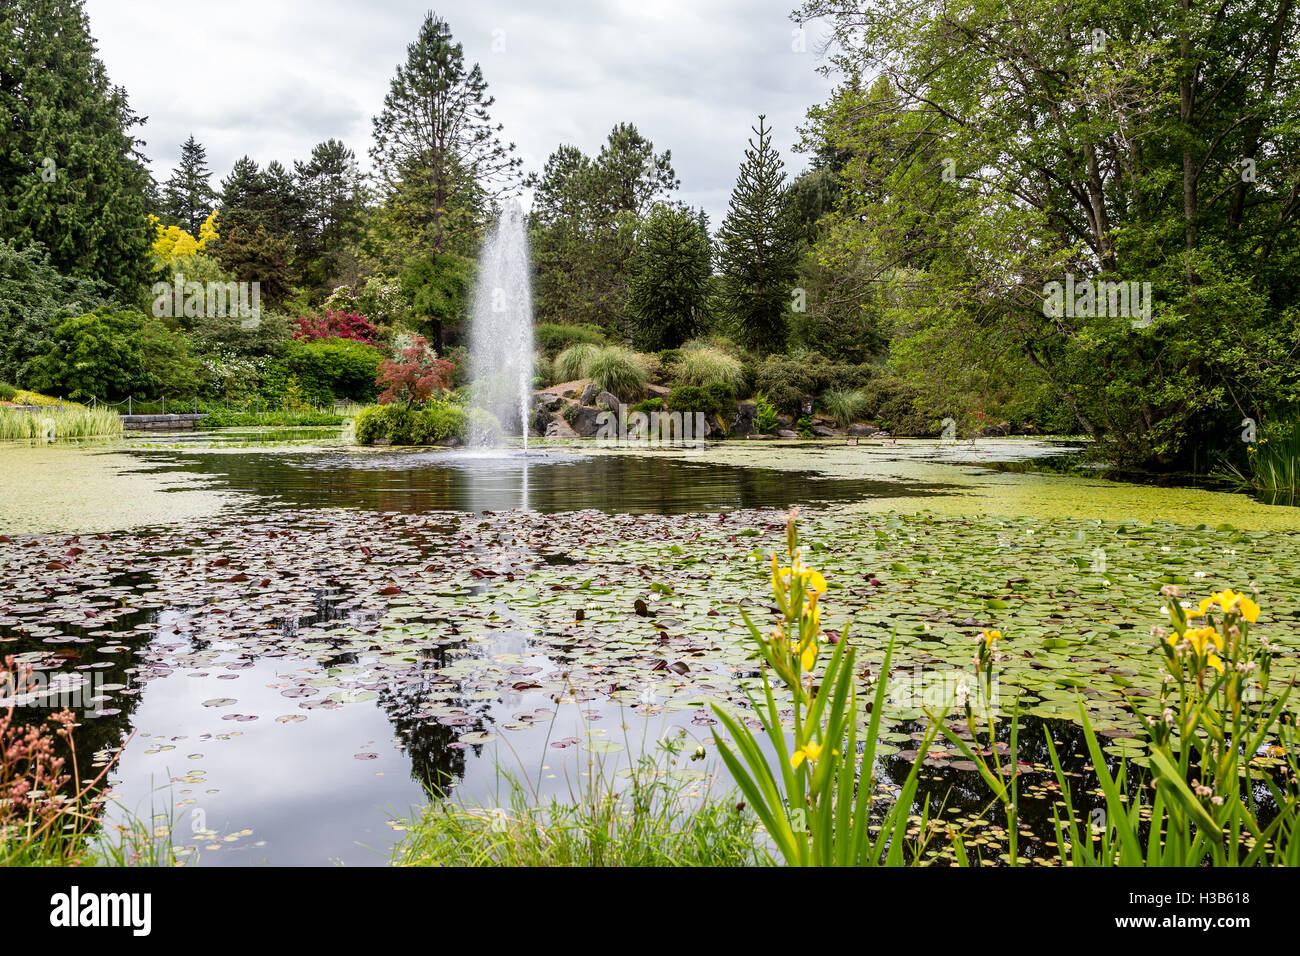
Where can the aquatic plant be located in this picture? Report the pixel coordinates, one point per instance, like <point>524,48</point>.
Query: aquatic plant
<point>764,415</point>
<point>55,423</point>
<point>815,803</point>
<point>647,815</point>
<point>1272,463</point>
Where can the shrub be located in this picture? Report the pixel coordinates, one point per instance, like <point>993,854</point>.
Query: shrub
<point>765,414</point>
<point>711,366</point>
<point>575,362</point>
<point>7,392</point>
<point>711,399</point>
<point>616,370</point>
<point>414,375</point>
<point>553,338</point>
<point>649,405</point>
<point>894,404</point>
<point>846,407</point>
<point>336,325</point>
<point>654,367</point>
<point>334,368</point>
<point>404,426</point>
<point>786,379</point>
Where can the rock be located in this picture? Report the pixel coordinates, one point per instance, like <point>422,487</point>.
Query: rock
<point>540,421</point>
<point>784,421</point>
<point>589,393</point>
<point>859,430</point>
<point>658,391</point>
<point>585,421</point>
<point>742,425</point>
<point>447,442</point>
<point>607,400</point>
<point>559,428</point>
<point>822,431</point>
<point>786,433</point>
<point>547,400</point>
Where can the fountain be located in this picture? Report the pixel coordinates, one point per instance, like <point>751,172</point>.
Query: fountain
<point>501,331</point>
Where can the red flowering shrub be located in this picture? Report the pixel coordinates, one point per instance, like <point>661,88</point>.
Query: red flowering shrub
<point>336,325</point>
<point>416,376</point>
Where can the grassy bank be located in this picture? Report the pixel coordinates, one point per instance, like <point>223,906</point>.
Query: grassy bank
<point>224,419</point>
<point>58,423</point>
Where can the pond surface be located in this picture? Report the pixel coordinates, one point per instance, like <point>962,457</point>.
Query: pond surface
<point>549,481</point>
<point>297,639</point>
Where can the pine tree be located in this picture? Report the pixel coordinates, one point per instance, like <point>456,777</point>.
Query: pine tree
<point>758,250</point>
<point>332,195</point>
<point>188,198</point>
<point>71,176</point>
<point>436,149</point>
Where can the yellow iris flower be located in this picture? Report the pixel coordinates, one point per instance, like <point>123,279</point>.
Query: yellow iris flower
<point>809,751</point>
<point>1232,602</point>
<point>990,637</point>
<point>1201,639</point>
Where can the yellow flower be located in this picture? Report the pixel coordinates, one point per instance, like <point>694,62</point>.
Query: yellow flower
<point>809,656</point>
<point>991,636</point>
<point>1201,639</point>
<point>1232,602</point>
<point>809,751</point>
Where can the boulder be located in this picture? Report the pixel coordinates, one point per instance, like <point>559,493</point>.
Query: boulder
<point>559,428</point>
<point>742,425</point>
<point>823,431</point>
<point>547,400</point>
<point>784,421</point>
<point>589,393</point>
<point>584,420</point>
<point>786,433</point>
<point>607,400</point>
<point>859,430</point>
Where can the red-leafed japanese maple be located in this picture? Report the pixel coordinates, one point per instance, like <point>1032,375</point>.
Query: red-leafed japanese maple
<point>415,376</point>
<point>336,325</point>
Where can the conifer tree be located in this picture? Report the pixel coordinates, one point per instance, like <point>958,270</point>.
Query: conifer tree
<point>188,198</point>
<point>436,149</point>
<point>71,176</point>
<point>758,251</point>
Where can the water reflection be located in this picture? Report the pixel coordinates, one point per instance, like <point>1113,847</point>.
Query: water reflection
<point>549,481</point>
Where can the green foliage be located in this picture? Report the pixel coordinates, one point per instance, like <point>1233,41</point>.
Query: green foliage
<point>846,407</point>
<point>896,406</point>
<point>188,198</point>
<point>786,379</point>
<point>425,426</point>
<point>1273,462</point>
<point>574,362</point>
<point>758,252</point>
<point>109,354</point>
<point>439,156</point>
<point>715,400</point>
<point>7,392</point>
<point>1194,199</point>
<point>52,424</point>
<point>671,272</point>
<point>253,254</point>
<point>553,337</point>
<point>330,369</point>
<point>439,288</point>
<point>652,814</point>
<point>764,415</point>
<point>71,177</point>
<point>618,371</point>
<point>34,298</point>
<point>710,366</point>
<point>583,224</point>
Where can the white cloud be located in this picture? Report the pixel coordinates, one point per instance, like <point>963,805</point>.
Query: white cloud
<point>273,79</point>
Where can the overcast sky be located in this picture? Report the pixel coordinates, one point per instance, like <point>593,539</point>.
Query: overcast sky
<point>272,79</point>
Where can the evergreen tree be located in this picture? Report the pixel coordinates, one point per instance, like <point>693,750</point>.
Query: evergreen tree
<point>242,196</point>
<point>188,198</point>
<point>332,194</point>
<point>671,276</point>
<point>758,252</point>
<point>436,149</point>
<point>71,177</point>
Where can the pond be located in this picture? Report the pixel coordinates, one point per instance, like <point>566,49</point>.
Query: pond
<point>298,637</point>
